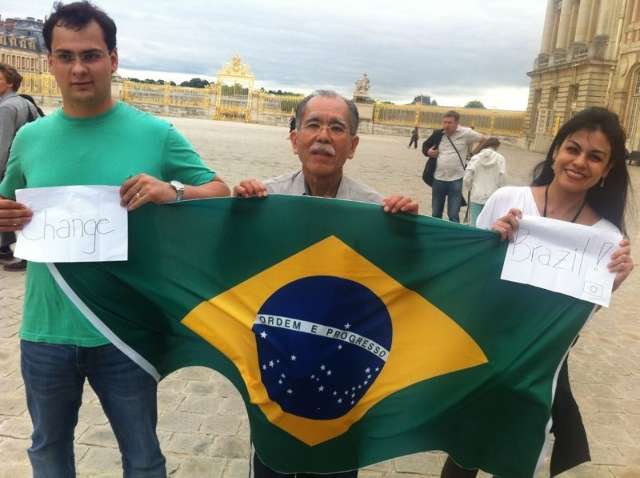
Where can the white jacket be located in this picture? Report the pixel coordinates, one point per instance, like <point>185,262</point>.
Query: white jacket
<point>486,172</point>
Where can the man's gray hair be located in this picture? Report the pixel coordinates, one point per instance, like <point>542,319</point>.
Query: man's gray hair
<point>354,117</point>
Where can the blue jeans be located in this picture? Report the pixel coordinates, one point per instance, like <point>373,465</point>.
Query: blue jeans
<point>54,376</point>
<point>452,192</point>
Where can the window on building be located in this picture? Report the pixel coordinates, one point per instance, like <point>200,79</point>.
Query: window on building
<point>553,97</point>
<point>633,11</point>
<point>572,100</point>
<point>573,25</point>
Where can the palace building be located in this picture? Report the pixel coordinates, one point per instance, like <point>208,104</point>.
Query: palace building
<point>22,45</point>
<point>589,56</point>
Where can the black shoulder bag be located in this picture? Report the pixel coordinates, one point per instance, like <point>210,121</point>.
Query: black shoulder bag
<point>432,163</point>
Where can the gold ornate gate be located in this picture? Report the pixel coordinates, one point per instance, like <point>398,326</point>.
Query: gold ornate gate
<point>234,87</point>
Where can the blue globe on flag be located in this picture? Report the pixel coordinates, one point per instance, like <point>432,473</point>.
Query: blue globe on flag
<point>322,342</point>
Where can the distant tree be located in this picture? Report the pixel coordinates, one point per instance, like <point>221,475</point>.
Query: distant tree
<point>150,81</point>
<point>196,83</point>
<point>234,90</point>
<point>475,104</point>
<point>434,103</point>
<point>387,102</point>
<point>283,93</point>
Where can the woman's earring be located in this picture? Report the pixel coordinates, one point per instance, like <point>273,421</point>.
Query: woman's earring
<point>602,182</point>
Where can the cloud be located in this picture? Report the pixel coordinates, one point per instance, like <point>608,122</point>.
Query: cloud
<point>461,49</point>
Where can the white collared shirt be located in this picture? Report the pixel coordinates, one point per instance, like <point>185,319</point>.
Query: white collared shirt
<point>293,184</point>
<point>449,166</point>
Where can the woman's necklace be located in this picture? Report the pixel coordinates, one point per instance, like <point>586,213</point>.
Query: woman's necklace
<point>546,195</point>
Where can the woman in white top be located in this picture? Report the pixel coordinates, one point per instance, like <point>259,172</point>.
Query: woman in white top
<point>486,172</point>
<point>584,179</point>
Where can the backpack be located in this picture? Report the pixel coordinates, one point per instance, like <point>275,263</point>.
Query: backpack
<point>30,99</point>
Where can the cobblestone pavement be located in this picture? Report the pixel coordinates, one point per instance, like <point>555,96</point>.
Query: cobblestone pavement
<point>203,427</point>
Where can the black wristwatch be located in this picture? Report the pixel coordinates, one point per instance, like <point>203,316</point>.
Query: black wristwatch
<point>179,187</point>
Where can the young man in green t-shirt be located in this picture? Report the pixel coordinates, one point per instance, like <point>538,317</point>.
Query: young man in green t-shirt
<point>91,140</point>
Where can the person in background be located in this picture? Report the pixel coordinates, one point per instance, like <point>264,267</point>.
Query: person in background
<point>292,123</point>
<point>452,153</point>
<point>15,112</point>
<point>414,138</point>
<point>485,173</point>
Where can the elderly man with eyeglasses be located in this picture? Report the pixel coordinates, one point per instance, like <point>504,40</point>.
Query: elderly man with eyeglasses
<point>324,139</point>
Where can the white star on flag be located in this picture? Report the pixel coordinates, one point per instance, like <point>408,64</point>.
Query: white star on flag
<point>271,364</point>
<point>263,334</point>
<point>293,358</point>
<point>347,326</point>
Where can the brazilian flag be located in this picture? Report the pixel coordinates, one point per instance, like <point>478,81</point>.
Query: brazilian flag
<point>353,336</point>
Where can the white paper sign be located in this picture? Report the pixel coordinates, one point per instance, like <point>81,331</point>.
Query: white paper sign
<point>73,224</point>
<point>562,257</point>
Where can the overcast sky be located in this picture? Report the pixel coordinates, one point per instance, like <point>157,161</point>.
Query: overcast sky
<point>455,51</point>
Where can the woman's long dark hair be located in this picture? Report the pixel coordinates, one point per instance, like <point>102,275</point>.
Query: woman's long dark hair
<point>608,201</point>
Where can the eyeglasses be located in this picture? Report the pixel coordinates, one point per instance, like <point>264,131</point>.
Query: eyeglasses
<point>85,57</point>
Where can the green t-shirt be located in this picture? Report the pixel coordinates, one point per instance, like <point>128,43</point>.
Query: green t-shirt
<point>104,150</point>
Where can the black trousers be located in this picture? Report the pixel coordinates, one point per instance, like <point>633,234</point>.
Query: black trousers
<point>260,470</point>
